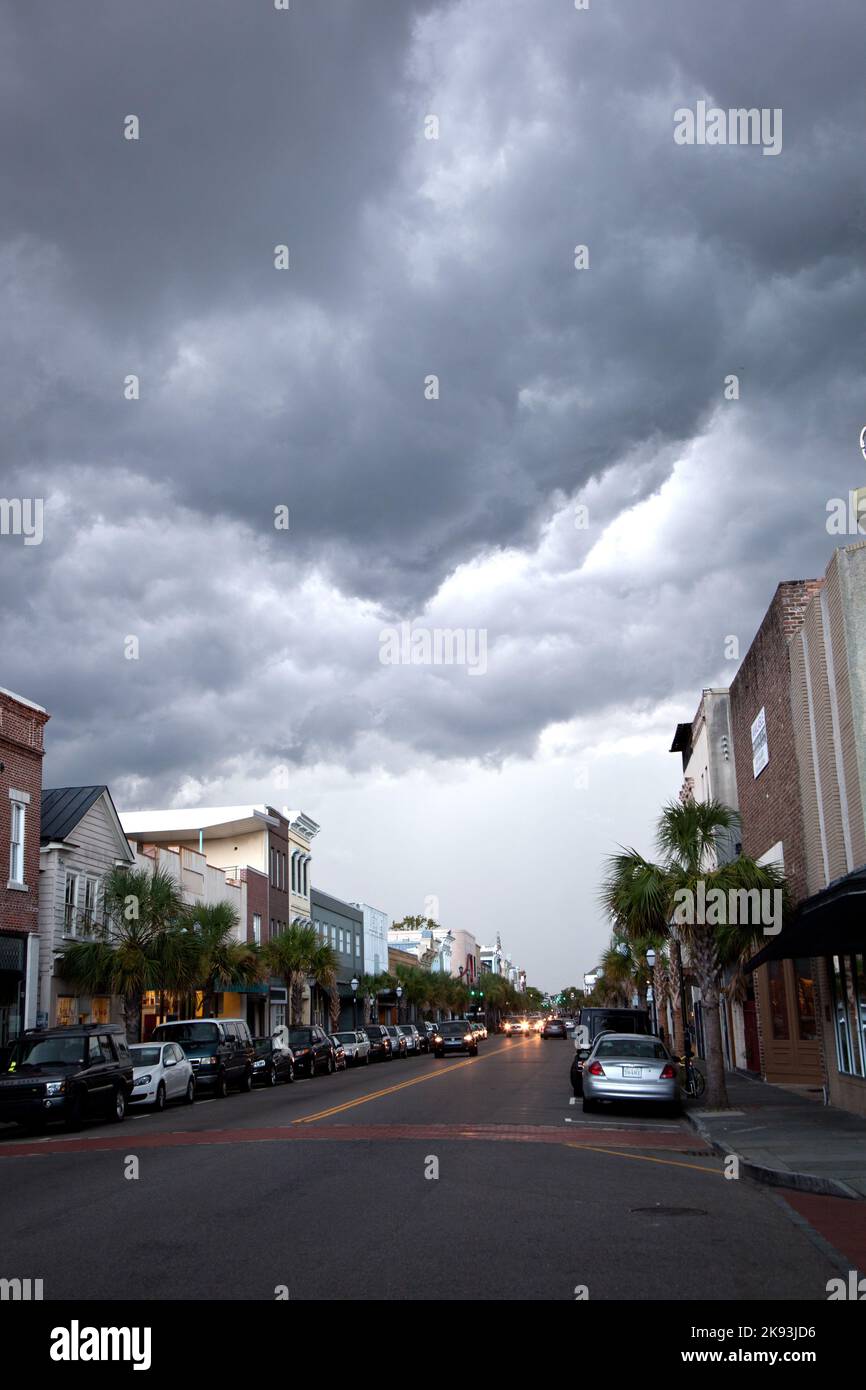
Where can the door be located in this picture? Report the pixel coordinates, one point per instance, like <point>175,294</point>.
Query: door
<point>750,1029</point>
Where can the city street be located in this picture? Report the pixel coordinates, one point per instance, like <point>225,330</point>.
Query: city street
<point>320,1187</point>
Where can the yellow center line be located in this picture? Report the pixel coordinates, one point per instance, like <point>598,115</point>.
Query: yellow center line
<point>642,1158</point>
<point>389,1090</point>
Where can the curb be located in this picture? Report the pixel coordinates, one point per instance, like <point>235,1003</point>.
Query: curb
<point>775,1177</point>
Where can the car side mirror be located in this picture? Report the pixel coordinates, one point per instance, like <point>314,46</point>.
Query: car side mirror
<point>171,1061</point>
<point>583,1053</point>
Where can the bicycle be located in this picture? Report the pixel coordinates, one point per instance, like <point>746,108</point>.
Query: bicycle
<point>694,1083</point>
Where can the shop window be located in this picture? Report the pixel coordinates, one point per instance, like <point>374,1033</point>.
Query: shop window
<point>66,1014</point>
<point>778,1001</point>
<point>100,1009</point>
<point>807,1018</point>
<point>840,1012</point>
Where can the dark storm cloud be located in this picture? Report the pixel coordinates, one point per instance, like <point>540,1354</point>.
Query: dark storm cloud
<point>409,257</point>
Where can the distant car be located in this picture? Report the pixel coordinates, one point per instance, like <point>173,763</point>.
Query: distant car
<point>272,1064</point>
<point>479,1031</point>
<point>399,1044</point>
<point>515,1027</point>
<point>412,1036</point>
<point>455,1036</point>
<point>630,1066</point>
<point>313,1050</point>
<point>554,1028</point>
<point>160,1072</point>
<point>356,1046</point>
<point>71,1074</point>
<point>481,1026</point>
<point>381,1047</point>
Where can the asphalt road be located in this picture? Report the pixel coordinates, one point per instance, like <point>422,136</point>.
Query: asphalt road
<point>463,1178</point>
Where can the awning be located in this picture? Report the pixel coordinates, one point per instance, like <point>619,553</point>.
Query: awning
<point>831,923</point>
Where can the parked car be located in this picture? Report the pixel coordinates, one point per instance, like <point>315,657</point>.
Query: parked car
<point>161,1072</point>
<point>482,1027</point>
<point>272,1064</point>
<point>630,1066</point>
<point>381,1047</point>
<point>220,1049</point>
<point>455,1037</point>
<point>339,1052</point>
<point>71,1074</point>
<point>554,1028</point>
<point>412,1036</point>
<point>399,1045</point>
<point>428,1032</point>
<point>477,1030</point>
<point>312,1049</point>
<point>356,1046</point>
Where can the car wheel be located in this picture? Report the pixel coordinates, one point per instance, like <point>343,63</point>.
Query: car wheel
<point>247,1083</point>
<point>189,1095</point>
<point>272,1076</point>
<point>159,1103</point>
<point>221,1089</point>
<point>118,1108</point>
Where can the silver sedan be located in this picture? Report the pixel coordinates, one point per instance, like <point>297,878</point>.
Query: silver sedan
<point>630,1066</point>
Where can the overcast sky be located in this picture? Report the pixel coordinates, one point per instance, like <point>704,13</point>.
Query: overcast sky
<point>258,675</point>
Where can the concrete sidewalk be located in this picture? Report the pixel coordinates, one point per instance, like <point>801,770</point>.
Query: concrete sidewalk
<point>787,1138</point>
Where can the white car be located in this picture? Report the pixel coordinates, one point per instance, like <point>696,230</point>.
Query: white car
<point>356,1046</point>
<point>160,1072</point>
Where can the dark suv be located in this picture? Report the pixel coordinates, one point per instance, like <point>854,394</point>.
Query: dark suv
<point>71,1074</point>
<point>220,1049</point>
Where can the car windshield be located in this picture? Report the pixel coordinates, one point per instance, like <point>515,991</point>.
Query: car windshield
<point>407,1029</point>
<point>452,1029</point>
<point>631,1047</point>
<point>345,1037</point>
<point>143,1056</point>
<point>47,1052</point>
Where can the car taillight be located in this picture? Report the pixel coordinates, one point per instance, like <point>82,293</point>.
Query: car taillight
<point>667,1073</point>
<point>596,1069</point>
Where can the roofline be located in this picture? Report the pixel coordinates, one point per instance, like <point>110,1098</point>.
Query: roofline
<point>22,700</point>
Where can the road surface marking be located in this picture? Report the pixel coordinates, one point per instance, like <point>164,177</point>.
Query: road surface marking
<point>389,1090</point>
<point>642,1158</point>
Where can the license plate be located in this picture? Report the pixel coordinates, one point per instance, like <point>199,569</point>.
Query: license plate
<point>632,1071</point>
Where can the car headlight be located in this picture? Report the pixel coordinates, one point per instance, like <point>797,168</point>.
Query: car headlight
<point>256,1065</point>
<point>142,1080</point>
<point>55,1088</point>
<point>207,1061</point>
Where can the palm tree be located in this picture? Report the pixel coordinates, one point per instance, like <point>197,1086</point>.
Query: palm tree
<point>656,899</point>
<point>223,960</point>
<point>292,956</point>
<point>139,945</point>
<point>323,968</point>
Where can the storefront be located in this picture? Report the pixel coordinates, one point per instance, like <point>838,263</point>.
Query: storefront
<point>816,983</point>
<point>13,955</point>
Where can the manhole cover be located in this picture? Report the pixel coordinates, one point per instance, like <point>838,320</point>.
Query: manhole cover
<point>670,1211</point>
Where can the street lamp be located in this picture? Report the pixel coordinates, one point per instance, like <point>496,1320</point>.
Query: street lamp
<point>651,960</point>
<point>354,982</point>
<point>399,993</point>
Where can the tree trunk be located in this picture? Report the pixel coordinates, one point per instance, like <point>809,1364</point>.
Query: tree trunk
<point>132,1017</point>
<point>708,979</point>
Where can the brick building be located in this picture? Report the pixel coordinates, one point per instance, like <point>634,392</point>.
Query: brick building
<point>770,804</point>
<point>828,710</point>
<point>21,752</point>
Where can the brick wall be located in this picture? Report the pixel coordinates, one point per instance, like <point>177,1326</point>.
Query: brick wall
<point>21,753</point>
<point>770,806</point>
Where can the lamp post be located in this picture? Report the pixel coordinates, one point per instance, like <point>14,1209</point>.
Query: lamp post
<point>370,1002</point>
<point>399,993</point>
<point>354,983</point>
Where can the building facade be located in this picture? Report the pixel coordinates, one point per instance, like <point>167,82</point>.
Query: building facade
<point>340,925</point>
<point>81,841</point>
<point>375,944</point>
<point>772,826</point>
<point>21,751</point>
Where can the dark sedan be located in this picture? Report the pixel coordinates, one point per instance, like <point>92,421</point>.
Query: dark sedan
<point>554,1028</point>
<point>455,1037</point>
<point>271,1064</point>
<point>313,1051</point>
<point>380,1043</point>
